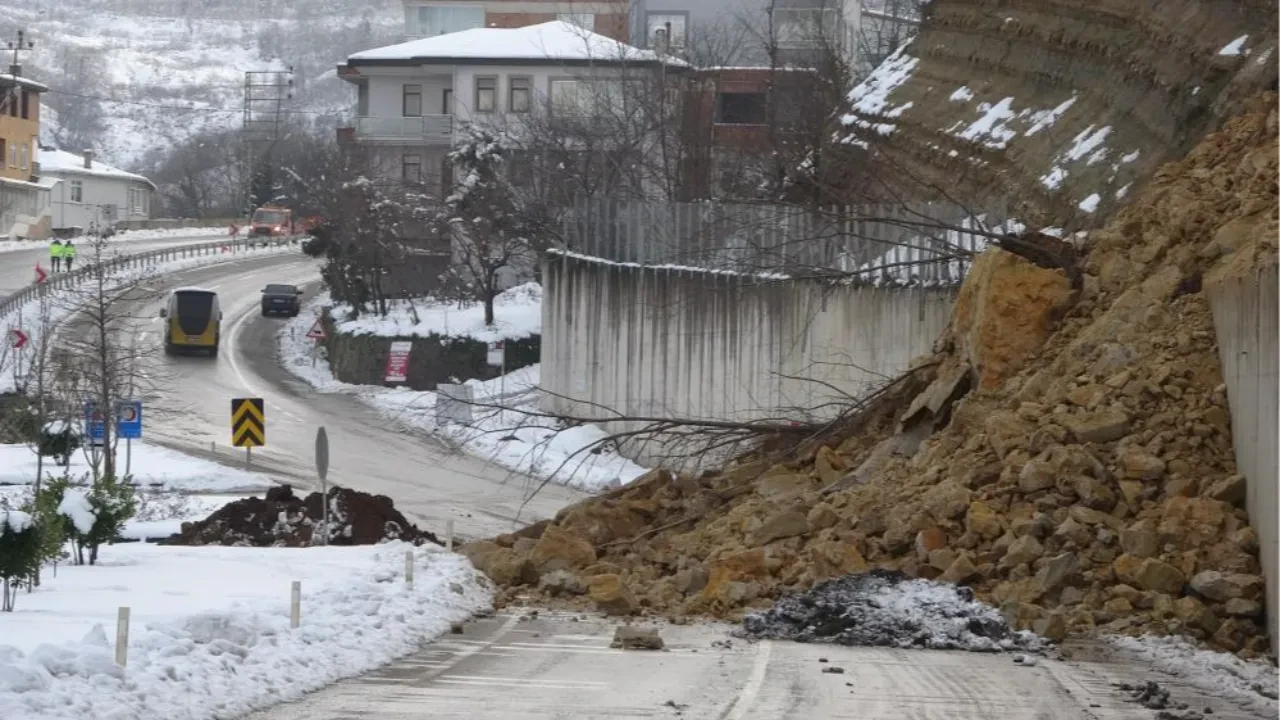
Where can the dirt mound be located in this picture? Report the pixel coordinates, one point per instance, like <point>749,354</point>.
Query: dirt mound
<point>886,608</point>
<point>282,519</point>
<point>1066,454</point>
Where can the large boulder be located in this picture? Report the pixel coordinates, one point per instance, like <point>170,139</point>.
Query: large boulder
<point>1006,310</point>
<point>559,549</point>
<point>611,595</point>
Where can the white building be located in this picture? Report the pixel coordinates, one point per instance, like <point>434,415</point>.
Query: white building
<point>411,97</point>
<point>92,194</point>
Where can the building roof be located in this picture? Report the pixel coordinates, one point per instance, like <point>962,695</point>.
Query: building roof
<point>69,163</point>
<point>555,42</point>
<point>28,83</point>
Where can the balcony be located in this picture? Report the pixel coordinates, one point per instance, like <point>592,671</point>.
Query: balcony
<point>428,129</point>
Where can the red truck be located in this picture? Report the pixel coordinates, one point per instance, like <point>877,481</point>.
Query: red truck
<point>272,221</point>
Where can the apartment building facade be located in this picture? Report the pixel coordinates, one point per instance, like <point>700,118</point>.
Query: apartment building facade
<point>24,196</point>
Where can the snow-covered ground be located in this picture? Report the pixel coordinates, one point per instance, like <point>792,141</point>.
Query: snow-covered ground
<point>210,635</point>
<point>150,465</point>
<point>517,314</point>
<point>1254,685</point>
<point>512,436</point>
<point>196,235</point>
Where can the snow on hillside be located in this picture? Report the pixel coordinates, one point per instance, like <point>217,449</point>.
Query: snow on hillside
<point>153,56</point>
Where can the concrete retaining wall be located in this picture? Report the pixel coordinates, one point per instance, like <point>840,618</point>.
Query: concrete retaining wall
<point>1246,324</point>
<point>695,344</point>
<point>435,359</point>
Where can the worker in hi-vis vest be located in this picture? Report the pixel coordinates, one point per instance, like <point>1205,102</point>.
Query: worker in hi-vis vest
<point>55,253</point>
<point>68,255</point>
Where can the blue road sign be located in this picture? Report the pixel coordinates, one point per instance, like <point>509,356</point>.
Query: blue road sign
<point>95,424</point>
<point>129,420</point>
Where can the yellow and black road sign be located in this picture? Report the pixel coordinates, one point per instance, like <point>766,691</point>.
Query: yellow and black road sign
<point>248,423</point>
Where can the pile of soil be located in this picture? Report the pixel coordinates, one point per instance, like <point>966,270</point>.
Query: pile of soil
<point>282,519</point>
<point>1066,453</point>
<point>886,608</point>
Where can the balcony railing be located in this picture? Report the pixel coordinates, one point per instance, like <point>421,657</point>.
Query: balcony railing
<point>428,128</point>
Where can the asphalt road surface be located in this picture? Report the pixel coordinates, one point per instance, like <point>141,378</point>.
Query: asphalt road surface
<point>561,666</point>
<point>188,408</point>
<point>17,267</point>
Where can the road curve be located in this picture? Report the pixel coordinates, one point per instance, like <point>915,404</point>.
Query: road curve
<point>191,398</point>
<point>17,267</point>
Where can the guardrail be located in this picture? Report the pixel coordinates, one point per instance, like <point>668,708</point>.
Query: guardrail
<point>62,280</point>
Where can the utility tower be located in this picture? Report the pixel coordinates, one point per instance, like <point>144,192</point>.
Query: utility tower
<point>267,96</point>
<point>15,69</point>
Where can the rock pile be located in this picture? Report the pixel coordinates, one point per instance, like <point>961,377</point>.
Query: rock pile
<point>282,519</point>
<point>1066,453</point>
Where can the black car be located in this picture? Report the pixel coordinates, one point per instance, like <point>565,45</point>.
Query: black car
<point>281,300</point>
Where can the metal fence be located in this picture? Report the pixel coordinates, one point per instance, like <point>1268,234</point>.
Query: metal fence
<point>230,248</point>
<point>920,242</point>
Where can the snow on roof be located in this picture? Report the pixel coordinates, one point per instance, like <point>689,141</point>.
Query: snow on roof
<point>61,161</point>
<point>28,83</point>
<point>555,41</point>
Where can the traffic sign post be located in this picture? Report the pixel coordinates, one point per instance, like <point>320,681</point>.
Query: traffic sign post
<point>248,425</point>
<point>129,427</point>
<point>95,424</point>
<point>317,333</point>
<point>322,469</point>
<point>497,356</point>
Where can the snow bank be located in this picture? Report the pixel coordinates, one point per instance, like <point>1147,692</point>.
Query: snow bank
<point>517,314</point>
<point>151,465</point>
<point>511,437</point>
<point>886,608</point>
<point>210,627</point>
<point>1254,685</point>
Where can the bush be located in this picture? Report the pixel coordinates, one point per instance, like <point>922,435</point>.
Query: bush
<point>19,554</point>
<point>96,515</point>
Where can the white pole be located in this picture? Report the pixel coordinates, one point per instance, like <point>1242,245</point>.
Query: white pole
<point>128,455</point>
<point>295,604</point>
<point>408,568</point>
<point>122,636</point>
<point>448,534</point>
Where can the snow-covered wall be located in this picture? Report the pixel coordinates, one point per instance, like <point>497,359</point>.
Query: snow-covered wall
<point>694,344</point>
<point>1244,317</point>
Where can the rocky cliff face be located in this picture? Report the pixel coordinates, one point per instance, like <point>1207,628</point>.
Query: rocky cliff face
<point>1066,454</point>
<point>1064,107</point>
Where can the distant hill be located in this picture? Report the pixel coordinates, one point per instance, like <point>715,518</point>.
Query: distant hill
<point>152,55</point>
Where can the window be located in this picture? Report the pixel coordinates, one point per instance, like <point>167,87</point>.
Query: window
<point>740,108</point>
<point>446,102</point>
<point>520,89</point>
<point>667,30</point>
<point>22,156</point>
<point>13,155</point>
<point>486,94</point>
<point>411,168</point>
<point>804,27</point>
<point>77,191</point>
<point>2,152</point>
<point>581,19</point>
<point>412,102</point>
<point>26,104</point>
<point>362,100</point>
<point>578,98</point>
<point>564,98</point>
<point>428,21</point>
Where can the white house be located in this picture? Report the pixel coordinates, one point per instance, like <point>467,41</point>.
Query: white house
<point>411,97</point>
<point>92,194</point>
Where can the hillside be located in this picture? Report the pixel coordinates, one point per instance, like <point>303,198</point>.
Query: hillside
<point>1060,107</point>
<point>160,56</point>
